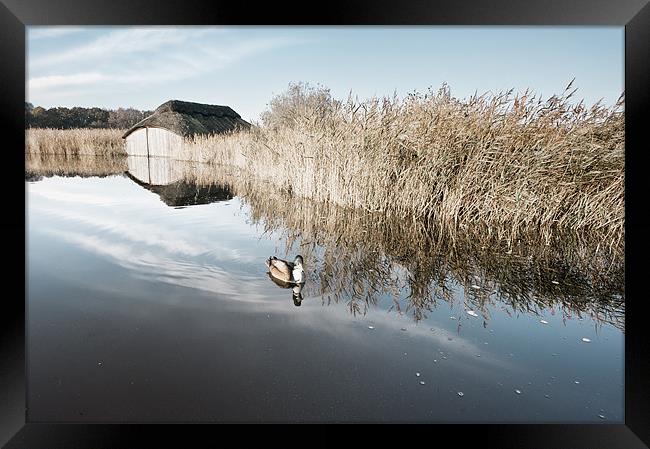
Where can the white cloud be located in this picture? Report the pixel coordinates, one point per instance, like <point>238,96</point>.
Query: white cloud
<point>137,57</point>
<point>75,79</point>
<point>120,42</point>
<point>85,78</point>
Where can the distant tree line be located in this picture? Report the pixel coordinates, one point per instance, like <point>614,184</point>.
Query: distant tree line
<point>65,118</point>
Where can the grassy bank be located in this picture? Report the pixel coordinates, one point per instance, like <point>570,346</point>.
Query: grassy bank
<point>501,166</point>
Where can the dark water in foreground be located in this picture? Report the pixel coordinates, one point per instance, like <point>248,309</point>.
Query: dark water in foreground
<point>149,306</point>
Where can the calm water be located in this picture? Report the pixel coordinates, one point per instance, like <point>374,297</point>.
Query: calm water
<point>154,304</point>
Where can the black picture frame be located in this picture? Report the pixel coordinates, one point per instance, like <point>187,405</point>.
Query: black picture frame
<point>15,15</point>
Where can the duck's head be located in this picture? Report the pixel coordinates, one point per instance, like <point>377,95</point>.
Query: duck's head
<point>298,261</point>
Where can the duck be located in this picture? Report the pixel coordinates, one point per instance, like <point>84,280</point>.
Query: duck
<point>292,272</point>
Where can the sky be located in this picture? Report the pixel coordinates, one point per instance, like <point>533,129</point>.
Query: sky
<point>245,66</point>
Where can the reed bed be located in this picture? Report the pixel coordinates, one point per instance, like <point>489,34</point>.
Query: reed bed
<point>498,164</point>
<point>75,142</point>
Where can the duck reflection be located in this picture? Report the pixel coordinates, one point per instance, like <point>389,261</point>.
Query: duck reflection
<point>296,294</point>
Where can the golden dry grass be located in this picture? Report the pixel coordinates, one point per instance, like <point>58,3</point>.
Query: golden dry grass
<point>502,165</point>
<point>75,142</point>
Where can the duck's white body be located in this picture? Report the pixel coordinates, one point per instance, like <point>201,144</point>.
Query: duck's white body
<point>297,275</point>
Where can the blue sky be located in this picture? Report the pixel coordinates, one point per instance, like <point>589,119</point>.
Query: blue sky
<point>243,67</point>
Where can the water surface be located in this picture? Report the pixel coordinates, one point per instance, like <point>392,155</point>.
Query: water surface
<point>148,300</point>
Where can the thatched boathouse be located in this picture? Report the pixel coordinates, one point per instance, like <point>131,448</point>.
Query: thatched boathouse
<point>163,132</point>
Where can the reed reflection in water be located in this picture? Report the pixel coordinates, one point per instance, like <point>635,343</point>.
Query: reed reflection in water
<point>357,257</point>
